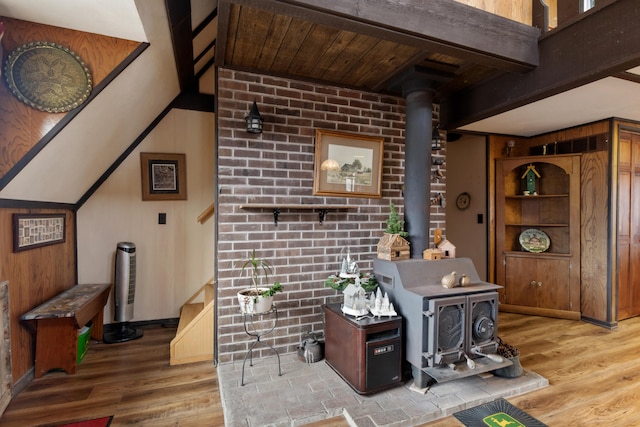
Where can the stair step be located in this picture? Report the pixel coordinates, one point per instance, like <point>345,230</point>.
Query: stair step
<point>188,313</point>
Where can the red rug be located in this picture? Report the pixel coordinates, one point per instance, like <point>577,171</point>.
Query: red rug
<point>98,422</point>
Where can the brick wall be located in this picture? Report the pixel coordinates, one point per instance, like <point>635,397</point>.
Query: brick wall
<point>277,167</point>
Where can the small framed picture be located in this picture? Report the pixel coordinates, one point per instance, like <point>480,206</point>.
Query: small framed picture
<point>164,176</point>
<point>35,230</point>
<point>347,164</point>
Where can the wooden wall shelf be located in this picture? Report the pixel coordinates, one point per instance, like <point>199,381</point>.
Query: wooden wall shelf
<point>276,208</point>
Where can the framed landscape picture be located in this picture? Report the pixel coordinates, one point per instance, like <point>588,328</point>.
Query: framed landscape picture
<point>164,176</point>
<point>347,164</point>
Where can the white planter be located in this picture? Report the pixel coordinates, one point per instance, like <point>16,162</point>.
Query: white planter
<point>251,304</point>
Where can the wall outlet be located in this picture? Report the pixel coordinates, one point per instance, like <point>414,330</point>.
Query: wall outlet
<point>162,218</point>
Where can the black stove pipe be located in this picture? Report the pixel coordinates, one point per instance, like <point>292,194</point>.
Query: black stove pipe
<point>417,176</point>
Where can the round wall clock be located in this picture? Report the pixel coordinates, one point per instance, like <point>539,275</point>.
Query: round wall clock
<point>48,77</point>
<point>463,200</point>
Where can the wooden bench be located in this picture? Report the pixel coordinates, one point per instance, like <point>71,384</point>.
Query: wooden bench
<point>194,339</point>
<point>57,321</point>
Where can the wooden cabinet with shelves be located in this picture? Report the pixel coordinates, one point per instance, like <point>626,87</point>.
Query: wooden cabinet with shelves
<point>546,282</point>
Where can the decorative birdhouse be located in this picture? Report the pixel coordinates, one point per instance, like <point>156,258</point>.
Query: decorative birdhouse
<point>448,249</point>
<point>393,247</point>
<point>530,174</point>
<point>432,254</point>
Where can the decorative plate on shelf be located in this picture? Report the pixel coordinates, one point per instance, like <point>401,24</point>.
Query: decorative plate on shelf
<point>48,77</point>
<point>534,240</point>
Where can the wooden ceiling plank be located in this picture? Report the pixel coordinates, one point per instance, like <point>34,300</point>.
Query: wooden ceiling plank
<point>326,62</point>
<point>296,33</point>
<point>274,39</point>
<point>384,59</point>
<point>468,75</point>
<point>598,44</point>
<point>350,57</point>
<point>314,45</point>
<point>227,29</point>
<point>253,27</point>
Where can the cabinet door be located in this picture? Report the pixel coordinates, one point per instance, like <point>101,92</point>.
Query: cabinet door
<point>538,282</point>
<point>519,273</point>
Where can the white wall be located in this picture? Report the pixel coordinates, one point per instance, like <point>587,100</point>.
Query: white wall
<point>77,156</point>
<point>467,172</point>
<point>173,260</point>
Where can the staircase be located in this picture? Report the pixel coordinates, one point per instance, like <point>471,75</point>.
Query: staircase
<point>194,339</point>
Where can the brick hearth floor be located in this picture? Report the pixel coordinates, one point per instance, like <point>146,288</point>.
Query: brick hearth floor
<point>308,393</point>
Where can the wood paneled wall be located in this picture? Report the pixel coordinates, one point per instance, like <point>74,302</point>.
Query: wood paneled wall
<point>517,10</point>
<point>21,127</point>
<point>594,238</point>
<point>571,133</point>
<point>34,276</point>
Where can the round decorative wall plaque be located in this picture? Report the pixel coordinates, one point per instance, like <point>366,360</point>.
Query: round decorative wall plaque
<point>48,77</point>
<point>534,240</point>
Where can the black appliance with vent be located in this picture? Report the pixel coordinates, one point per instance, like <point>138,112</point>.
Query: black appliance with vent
<point>124,291</point>
<point>447,330</point>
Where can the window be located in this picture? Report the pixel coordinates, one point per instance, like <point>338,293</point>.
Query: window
<point>587,4</point>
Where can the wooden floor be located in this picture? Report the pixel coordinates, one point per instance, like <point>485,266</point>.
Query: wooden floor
<point>594,376</point>
<point>131,381</point>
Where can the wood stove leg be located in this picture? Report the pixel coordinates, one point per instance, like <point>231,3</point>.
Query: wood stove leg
<point>421,379</point>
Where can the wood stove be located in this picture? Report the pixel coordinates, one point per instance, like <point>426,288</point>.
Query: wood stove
<point>449,331</point>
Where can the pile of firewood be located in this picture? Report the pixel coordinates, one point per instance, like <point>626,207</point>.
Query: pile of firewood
<point>507,350</point>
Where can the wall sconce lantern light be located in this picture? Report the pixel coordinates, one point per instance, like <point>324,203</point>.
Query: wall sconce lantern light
<point>436,140</point>
<point>254,120</point>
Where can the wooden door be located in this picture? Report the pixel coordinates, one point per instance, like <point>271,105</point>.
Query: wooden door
<point>629,226</point>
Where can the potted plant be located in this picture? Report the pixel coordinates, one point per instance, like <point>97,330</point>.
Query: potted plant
<point>393,246</point>
<point>257,299</point>
<point>394,224</point>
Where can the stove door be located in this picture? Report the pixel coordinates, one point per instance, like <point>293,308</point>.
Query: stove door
<point>482,323</point>
<point>446,323</point>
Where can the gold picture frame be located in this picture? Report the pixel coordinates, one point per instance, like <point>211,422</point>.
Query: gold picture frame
<point>347,164</point>
<point>164,176</point>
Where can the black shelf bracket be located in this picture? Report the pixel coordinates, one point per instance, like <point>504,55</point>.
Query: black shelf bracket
<point>322,214</point>
<point>276,212</point>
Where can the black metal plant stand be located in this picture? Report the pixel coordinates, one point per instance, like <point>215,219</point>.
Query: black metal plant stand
<point>248,320</point>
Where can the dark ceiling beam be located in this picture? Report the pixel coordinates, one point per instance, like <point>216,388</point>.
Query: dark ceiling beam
<point>179,14</point>
<point>433,26</point>
<point>224,11</point>
<point>630,77</point>
<point>603,42</point>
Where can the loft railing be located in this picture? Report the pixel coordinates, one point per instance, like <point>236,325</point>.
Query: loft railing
<point>550,14</point>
